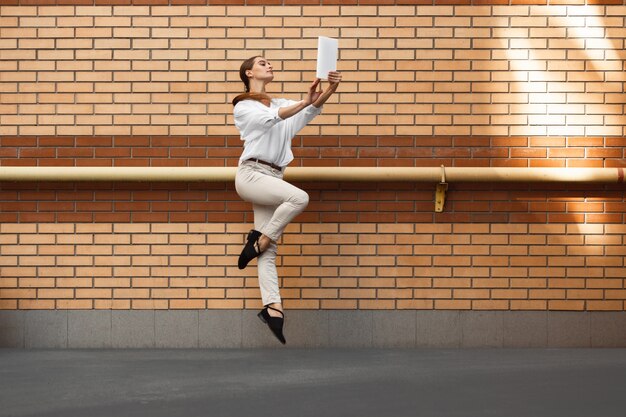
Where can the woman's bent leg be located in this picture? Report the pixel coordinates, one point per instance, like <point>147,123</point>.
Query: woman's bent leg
<point>267,190</point>
<point>275,204</point>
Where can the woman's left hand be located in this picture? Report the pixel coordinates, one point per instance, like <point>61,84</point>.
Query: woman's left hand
<point>320,97</point>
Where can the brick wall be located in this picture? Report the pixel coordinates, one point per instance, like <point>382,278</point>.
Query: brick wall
<point>489,85</point>
<point>490,266</point>
<point>409,70</point>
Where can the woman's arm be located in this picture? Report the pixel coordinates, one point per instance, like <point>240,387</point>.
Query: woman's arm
<point>334,78</point>
<point>317,98</point>
<point>312,95</point>
<point>288,111</point>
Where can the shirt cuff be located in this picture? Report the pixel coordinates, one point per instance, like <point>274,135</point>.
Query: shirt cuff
<point>274,113</point>
<point>314,110</point>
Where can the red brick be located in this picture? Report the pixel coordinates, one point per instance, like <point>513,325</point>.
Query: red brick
<point>131,141</point>
<point>18,141</point>
<point>604,218</point>
<point>55,141</point>
<point>95,141</point>
<point>37,153</point>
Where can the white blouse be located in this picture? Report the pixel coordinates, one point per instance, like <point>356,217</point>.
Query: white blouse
<point>266,136</point>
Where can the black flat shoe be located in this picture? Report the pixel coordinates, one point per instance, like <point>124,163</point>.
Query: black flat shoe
<point>249,251</point>
<point>275,323</point>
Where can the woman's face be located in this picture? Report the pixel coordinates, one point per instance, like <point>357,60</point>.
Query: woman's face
<point>261,70</point>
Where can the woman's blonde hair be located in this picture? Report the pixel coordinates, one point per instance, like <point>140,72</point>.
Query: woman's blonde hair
<point>245,66</point>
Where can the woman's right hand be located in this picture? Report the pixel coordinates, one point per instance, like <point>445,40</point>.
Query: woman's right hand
<point>312,94</point>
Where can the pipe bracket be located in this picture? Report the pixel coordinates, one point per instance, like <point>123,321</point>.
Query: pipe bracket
<point>440,192</point>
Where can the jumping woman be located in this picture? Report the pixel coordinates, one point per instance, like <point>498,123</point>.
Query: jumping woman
<point>267,126</point>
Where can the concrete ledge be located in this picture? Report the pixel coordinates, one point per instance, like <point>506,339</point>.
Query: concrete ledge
<point>310,328</point>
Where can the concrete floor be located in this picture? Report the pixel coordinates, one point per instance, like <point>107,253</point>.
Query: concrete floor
<point>321,382</point>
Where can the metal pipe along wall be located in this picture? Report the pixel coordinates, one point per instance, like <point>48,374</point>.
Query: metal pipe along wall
<point>316,174</point>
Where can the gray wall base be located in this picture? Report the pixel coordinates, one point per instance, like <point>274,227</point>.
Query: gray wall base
<point>310,328</point>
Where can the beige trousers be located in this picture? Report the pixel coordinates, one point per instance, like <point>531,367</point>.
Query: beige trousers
<point>275,204</point>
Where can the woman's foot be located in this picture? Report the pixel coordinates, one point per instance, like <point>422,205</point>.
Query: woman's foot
<point>273,311</point>
<point>256,243</point>
<point>274,319</point>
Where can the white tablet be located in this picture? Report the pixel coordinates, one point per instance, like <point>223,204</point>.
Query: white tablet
<point>327,51</point>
